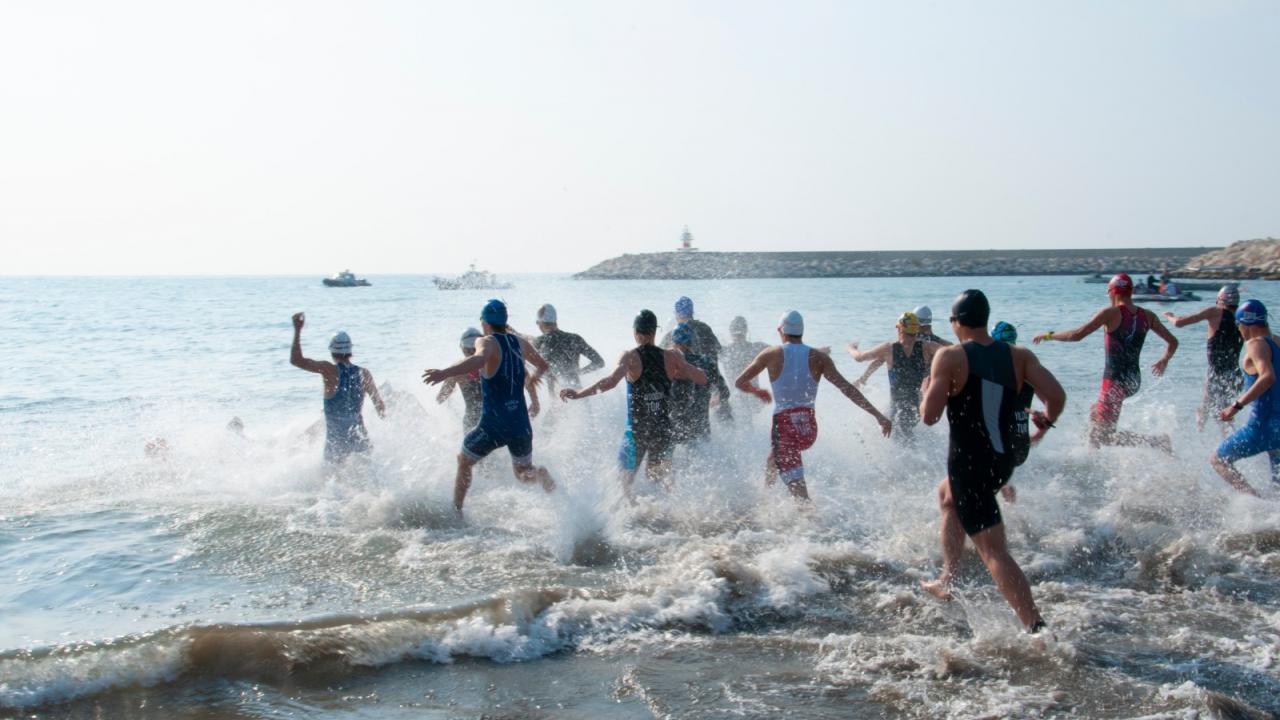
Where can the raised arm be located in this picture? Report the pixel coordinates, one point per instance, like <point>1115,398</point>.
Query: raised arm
<point>370,389</point>
<point>833,375</point>
<point>746,379</point>
<point>1077,334</point>
<point>604,384</point>
<point>295,353</point>
<point>880,353</point>
<point>1192,319</point>
<point>1171,343</point>
<point>679,369</point>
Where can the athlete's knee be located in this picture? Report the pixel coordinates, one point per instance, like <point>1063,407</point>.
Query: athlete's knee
<point>465,460</point>
<point>945,501</point>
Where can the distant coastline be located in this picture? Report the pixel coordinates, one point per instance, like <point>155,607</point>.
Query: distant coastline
<point>702,265</point>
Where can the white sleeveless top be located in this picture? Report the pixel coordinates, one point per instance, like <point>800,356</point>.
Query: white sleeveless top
<point>795,387</point>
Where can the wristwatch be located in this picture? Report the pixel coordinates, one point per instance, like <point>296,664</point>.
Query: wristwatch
<point>1237,406</point>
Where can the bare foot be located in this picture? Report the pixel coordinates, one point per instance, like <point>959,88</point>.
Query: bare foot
<point>548,484</point>
<point>1009,494</point>
<point>939,588</point>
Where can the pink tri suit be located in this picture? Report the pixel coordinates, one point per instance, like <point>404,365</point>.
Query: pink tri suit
<point>795,427</point>
<point>1122,376</point>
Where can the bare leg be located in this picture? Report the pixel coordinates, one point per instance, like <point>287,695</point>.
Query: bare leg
<point>530,474</point>
<point>770,470</point>
<point>1231,475</point>
<point>659,473</point>
<point>1009,579</point>
<point>952,535</point>
<point>1104,433</point>
<point>462,483</point>
<point>798,490</point>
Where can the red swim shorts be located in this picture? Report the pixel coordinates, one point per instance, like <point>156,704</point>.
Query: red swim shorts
<point>794,431</point>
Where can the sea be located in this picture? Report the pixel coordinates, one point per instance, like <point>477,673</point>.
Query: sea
<point>155,563</point>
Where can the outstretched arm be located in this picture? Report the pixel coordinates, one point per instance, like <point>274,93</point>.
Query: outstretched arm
<point>604,384</point>
<point>1048,389</point>
<point>366,379</point>
<point>880,352</point>
<point>466,365</point>
<point>1077,334</point>
<point>1171,342</point>
<point>833,375</point>
<point>679,369</point>
<point>1192,319</point>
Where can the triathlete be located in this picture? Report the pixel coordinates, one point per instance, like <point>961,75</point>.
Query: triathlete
<point>908,359</point>
<point>1223,382</point>
<point>345,386</point>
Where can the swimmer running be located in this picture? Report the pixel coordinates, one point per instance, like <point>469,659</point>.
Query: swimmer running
<point>978,383</point>
<point>1262,431</point>
<point>345,386</point>
<point>1223,382</point>
<point>1127,326</point>
<point>794,371</point>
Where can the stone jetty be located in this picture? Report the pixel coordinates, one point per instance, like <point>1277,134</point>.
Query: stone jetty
<point>1248,259</point>
<point>701,265</point>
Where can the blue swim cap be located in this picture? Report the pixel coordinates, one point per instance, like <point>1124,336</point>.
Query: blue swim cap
<point>494,312</point>
<point>684,307</point>
<point>1004,332</point>
<point>682,335</point>
<point>1252,312</point>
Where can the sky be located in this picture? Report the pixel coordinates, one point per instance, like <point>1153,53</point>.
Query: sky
<point>257,137</point>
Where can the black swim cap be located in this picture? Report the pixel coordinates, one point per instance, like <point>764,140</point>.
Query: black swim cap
<point>971,309</point>
<point>646,323</point>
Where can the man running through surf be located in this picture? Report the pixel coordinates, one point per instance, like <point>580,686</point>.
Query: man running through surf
<point>504,417</point>
<point>648,370</point>
<point>1262,431</point>
<point>978,384</point>
<point>1223,382</point>
<point>345,385</point>
<point>908,360</point>
<point>1127,326</point>
<point>469,384</point>
<point>794,371</point>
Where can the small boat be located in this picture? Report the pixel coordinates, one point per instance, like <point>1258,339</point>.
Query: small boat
<point>1162,298</point>
<point>1184,284</point>
<point>472,279</point>
<point>345,279</point>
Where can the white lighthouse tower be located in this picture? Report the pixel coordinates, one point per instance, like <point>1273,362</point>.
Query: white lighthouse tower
<point>686,241</point>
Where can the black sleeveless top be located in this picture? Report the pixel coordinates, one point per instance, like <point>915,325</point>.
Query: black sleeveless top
<point>981,415</point>
<point>649,397</point>
<point>1224,346</point>
<point>908,373</point>
<point>1124,346</point>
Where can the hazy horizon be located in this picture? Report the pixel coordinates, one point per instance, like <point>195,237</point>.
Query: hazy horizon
<point>148,138</point>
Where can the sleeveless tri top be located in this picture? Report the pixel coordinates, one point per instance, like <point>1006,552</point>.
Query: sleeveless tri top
<point>795,387</point>
<point>988,421</point>
<point>502,405</point>
<point>649,397</point>
<point>1123,347</point>
<point>343,421</point>
<point>1224,346</point>
<point>1266,406</point>
<point>908,372</point>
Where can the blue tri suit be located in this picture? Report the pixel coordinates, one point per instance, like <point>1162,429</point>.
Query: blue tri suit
<point>504,417</point>
<point>343,422</point>
<point>1262,432</point>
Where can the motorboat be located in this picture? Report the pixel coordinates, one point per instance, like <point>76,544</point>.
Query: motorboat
<point>345,279</point>
<point>1181,296</point>
<point>472,279</point>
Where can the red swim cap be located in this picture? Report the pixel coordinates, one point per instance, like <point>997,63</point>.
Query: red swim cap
<point>1121,284</point>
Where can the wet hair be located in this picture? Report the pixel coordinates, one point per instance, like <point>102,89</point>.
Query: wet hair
<point>345,357</point>
<point>971,309</point>
<point>498,328</point>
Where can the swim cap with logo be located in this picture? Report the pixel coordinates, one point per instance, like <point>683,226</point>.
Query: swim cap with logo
<point>469,337</point>
<point>792,323</point>
<point>1229,294</point>
<point>1251,312</point>
<point>646,323</point>
<point>1121,284</point>
<point>971,309</point>
<point>1004,332</point>
<point>494,312</point>
<point>340,343</point>
<point>547,314</point>
<point>924,314</point>
<point>684,307</point>
<point>909,323</point>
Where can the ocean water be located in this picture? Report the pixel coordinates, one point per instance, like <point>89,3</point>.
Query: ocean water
<point>235,577</point>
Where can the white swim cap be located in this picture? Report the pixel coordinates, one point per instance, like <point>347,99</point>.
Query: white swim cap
<point>340,343</point>
<point>792,323</point>
<point>547,314</point>
<point>469,337</point>
<point>924,315</point>
<point>738,325</point>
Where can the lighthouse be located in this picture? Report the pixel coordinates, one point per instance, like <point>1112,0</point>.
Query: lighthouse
<point>686,240</point>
